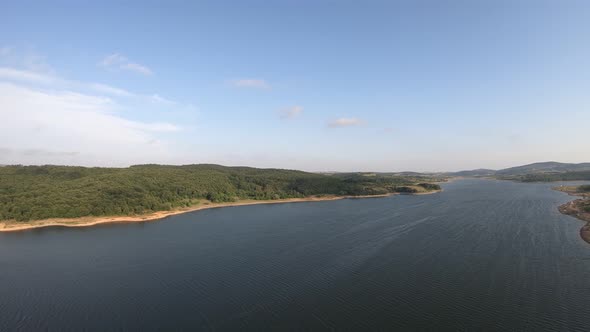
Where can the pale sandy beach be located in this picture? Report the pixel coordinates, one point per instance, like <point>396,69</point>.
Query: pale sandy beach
<point>11,226</point>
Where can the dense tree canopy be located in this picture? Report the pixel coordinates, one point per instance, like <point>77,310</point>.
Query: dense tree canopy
<point>549,177</point>
<point>40,192</point>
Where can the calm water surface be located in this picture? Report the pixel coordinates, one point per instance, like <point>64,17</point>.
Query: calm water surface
<point>482,255</point>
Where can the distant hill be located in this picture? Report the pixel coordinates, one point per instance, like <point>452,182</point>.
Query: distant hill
<point>542,170</point>
<point>408,173</point>
<point>475,172</point>
<point>545,167</point>
<point>549,177</point>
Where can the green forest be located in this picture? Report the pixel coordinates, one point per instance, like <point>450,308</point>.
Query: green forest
<point>549,177</point>
<point>41,192</point>
<point>585,189</point>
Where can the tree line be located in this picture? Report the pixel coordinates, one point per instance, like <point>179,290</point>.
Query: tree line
<point>550,177</point>
<point>41,192</point>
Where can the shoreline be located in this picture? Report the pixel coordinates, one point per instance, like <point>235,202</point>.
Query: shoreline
<point>573,209</point>
<point>421,193</point>
<point>15,226</point>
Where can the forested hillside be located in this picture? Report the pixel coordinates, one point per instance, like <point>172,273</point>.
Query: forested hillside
<point>545,167</point>
<point>549,177</point>
<point>40,192</point>
<point>536,172</point>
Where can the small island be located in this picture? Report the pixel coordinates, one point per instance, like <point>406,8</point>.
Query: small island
<point>579,208</point>
<point>42,196</point>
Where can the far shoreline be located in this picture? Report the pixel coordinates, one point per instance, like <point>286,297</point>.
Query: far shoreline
<point>15,226</point>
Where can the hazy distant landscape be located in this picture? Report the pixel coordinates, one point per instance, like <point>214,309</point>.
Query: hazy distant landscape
<point>537,172</point>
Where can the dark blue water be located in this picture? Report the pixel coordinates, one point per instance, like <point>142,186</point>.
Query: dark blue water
<point>482,255</point>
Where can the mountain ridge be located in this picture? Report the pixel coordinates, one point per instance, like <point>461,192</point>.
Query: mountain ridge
<point>533,168</point>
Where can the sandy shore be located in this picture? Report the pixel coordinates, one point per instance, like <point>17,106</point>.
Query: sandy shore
<point>11,226</point>
<point>422,193</point>
<point>573,209</point>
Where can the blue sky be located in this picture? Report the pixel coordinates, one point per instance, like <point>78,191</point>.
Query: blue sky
<point>312,85</point>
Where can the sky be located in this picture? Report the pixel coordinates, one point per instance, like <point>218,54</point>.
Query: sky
<point>311,85</point>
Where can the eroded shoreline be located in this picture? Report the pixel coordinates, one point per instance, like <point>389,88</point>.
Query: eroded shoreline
<point>13,226</point>
<point>574,209</point>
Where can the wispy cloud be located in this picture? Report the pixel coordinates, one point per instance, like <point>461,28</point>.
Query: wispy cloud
<point>103,88</point>
<point>155,98</point>
<point>38,152</point>
<point>28,76</point>
<point>38,126</point>
<point>345,122</point>
<point>137,68</point>
<point>114,59</point>
<point>18,66</point>
<point>155,127</point>
<point>290,112</point>
<point>250,83</point>
<point>118,61</point>
<point>25,76</point>
<point>47,118</point>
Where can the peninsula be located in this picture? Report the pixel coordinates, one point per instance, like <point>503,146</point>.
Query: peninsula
<point>579,208</point>
<point>42,196</point>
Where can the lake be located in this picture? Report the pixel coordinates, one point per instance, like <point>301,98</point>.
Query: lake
<point>481,255</point>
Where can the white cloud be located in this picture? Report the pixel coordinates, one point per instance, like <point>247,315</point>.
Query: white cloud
<point>345,122</point>
<point>45,118</point>
<point>103,88</point>
<point>65,127</point>
<point>27,58</point>
<point>37,152</point>
<point>113,59</point>
<point>155,127</point>
<point>291,112</point>
<point>155,98</point>
<point>250,83</point>
<point>29,76</point>
<point>137,68</point>
<point>31,68</point>
<point>118,61</point>
<point>25,76</point>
